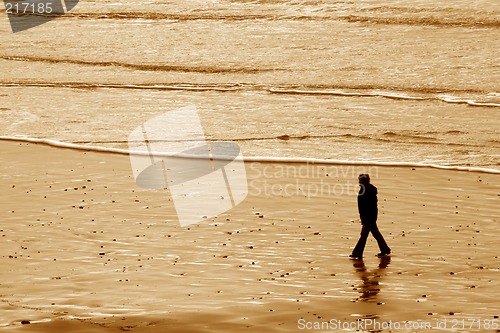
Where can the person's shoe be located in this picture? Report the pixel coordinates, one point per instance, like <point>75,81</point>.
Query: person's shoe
<point>352,256</point>
<point>383,254</point>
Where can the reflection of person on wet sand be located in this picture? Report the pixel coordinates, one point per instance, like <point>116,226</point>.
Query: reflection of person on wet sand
<point>368,212</point>
<point>369,288</point>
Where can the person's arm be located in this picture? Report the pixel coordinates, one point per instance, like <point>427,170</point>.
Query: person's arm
<point>367,204</point>
<point>362,204</point>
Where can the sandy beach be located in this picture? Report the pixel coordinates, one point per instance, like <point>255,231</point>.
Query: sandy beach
<point>310,94</point>
<point>86,250</point>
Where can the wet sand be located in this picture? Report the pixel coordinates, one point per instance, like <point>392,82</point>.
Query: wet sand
<point>83,249</point>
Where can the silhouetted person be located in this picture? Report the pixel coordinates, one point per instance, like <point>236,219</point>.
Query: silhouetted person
<point>368,212</point>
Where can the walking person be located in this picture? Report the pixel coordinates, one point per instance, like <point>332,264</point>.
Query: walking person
<point>368,212</point>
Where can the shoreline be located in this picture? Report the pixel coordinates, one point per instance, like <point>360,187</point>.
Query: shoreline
<point>262,159</point>
<point>84,249</point>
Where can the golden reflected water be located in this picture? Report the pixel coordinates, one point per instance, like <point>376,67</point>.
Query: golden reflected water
<point>369,288</point>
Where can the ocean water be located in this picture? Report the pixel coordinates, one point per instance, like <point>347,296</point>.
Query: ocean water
<point>368,81</point>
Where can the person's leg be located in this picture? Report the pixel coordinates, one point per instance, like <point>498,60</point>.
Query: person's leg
<point>360,246</point>
<point>384,248</point>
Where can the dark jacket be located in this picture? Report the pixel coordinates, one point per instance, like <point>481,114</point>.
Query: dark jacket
<point>367,203</point>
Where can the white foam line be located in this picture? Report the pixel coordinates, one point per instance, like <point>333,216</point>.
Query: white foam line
<point>265,159</point>
<point>117,86</point>
<point>374,163</point>
<point>382,94</point>
<point>59,144</point>
<point>346,93</point>
<point>320,92</point>
<point>472,103</point>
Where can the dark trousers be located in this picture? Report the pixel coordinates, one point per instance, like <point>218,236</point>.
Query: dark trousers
<point>365,231</point>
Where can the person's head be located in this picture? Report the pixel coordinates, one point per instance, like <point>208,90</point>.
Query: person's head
<point>364,179</point>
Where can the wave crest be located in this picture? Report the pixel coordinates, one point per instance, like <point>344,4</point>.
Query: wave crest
<point>145,67</point>
<point>388,94</point>
<point>458,21</point>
